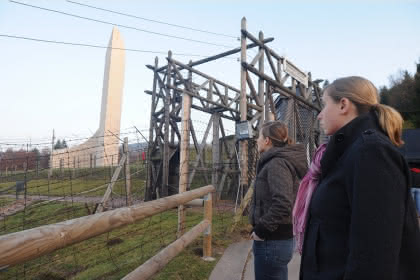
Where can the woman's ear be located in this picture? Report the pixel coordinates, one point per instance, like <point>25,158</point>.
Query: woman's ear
<point>344,105</point>
<point>347,107</point>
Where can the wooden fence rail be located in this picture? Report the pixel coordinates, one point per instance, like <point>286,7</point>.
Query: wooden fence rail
<point>19,247</point>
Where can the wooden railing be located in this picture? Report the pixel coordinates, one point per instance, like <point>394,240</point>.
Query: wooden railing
<point>19,247</point>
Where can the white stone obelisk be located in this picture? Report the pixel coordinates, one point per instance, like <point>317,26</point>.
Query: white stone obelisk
<point>102,148</point>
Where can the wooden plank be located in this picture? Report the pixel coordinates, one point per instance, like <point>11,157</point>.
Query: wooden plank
<point>242,207</point>
<point>248,35</point>
<point>273,115</point>
<point>204,99</point>
<point>278,86</point>
<point>158,262</point>
<point>284,79</point>
<point>273,68</point>
<point>215,150</point>
<point>261,84</point>
<point>208,216</point>
<point>197,149</point>
<point>252,89</point>
<point>203,144</point>
<point>211,58</point>
<point>19,247</point>
<point>184,156</point>
<point>165,158</point>
<point>127,172</point>
<point>257,57</point>
<point>202,74</point>
<point>243,107</point>
<point>111,184</point>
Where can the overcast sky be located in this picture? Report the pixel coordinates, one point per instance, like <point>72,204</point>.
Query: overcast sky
<point>46,86</point>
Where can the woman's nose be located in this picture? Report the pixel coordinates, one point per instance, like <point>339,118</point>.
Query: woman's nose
<point>319,115</point>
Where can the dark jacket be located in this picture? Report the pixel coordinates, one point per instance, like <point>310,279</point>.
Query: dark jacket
<point>362,223</point>
<point>415,177</point>
<point>279,172</point>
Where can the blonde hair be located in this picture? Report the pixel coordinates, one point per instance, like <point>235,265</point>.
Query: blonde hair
<point>362,93</point>
<point>277,132</point>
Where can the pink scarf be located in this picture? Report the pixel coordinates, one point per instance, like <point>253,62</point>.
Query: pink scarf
<point>304,195</point>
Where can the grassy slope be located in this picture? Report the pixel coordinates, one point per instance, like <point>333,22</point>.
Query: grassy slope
<point>113,255</point>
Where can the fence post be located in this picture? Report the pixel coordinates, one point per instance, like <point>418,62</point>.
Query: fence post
<point>127,172</point>
<point>208,215</point>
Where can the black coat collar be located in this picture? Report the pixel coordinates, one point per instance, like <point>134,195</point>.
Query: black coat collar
<point>345,137</point>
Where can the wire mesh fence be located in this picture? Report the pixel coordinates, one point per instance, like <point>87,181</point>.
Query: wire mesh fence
<point>35,194</point>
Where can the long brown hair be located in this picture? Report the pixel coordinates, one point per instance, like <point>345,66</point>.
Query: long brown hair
<point>277,132</point>
<point>364,95</point>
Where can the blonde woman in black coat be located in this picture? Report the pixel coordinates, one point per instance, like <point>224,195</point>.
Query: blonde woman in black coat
<point>362,221</point>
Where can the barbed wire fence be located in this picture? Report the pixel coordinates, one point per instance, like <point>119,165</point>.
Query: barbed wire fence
<point>34,195</point>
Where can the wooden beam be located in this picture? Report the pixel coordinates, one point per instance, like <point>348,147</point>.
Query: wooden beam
<point>114,178</point>
<point>158,262</point>
<point>252,90</point>
<point>261,84</point>
<point>248,35</point>
<point>242,207</point>
<point>257,57</point>
<point>149,192</point>
<point>243,108</point>
<point>19,247</point>
<point>202,74</point>
<point>276,84</point>
<point>215,150</point>
<point>127,172</point>
<point>204,99</point>
<point>208,216</point>
<point>184,156</point>
<point>203,144</point>
<point>165,158</point>
<point>214,57</point>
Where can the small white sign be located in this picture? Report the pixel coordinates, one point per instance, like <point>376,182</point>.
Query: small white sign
<point>295,72</point>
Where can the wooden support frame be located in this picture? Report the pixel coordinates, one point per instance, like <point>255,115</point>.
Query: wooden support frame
<point>255,101</point>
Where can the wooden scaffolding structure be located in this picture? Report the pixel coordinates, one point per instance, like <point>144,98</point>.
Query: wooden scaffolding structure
<point>175,94</point>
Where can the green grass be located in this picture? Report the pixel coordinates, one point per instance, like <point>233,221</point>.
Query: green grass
<point>115,254</point>
<point>6,201</point>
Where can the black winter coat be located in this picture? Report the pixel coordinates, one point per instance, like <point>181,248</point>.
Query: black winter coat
<point>279,171</point>
<point>362,223</point>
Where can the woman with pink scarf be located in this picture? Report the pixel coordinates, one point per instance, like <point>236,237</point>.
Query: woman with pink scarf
<point>303,198</point>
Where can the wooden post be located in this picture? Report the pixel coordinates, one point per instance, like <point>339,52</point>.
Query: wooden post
<point>208,216</point>
<point>261,84</point>
<point>127,172</point>
<point>108,191</point>
<point>156,263</point>
<point>165,170</point>
<point>293,127</point>
<point>216,154</point>
<point>242,207</point>
<point>29,244</point>
<point>184,156</point>
<point>149,193</point>
<point>243,108</point>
